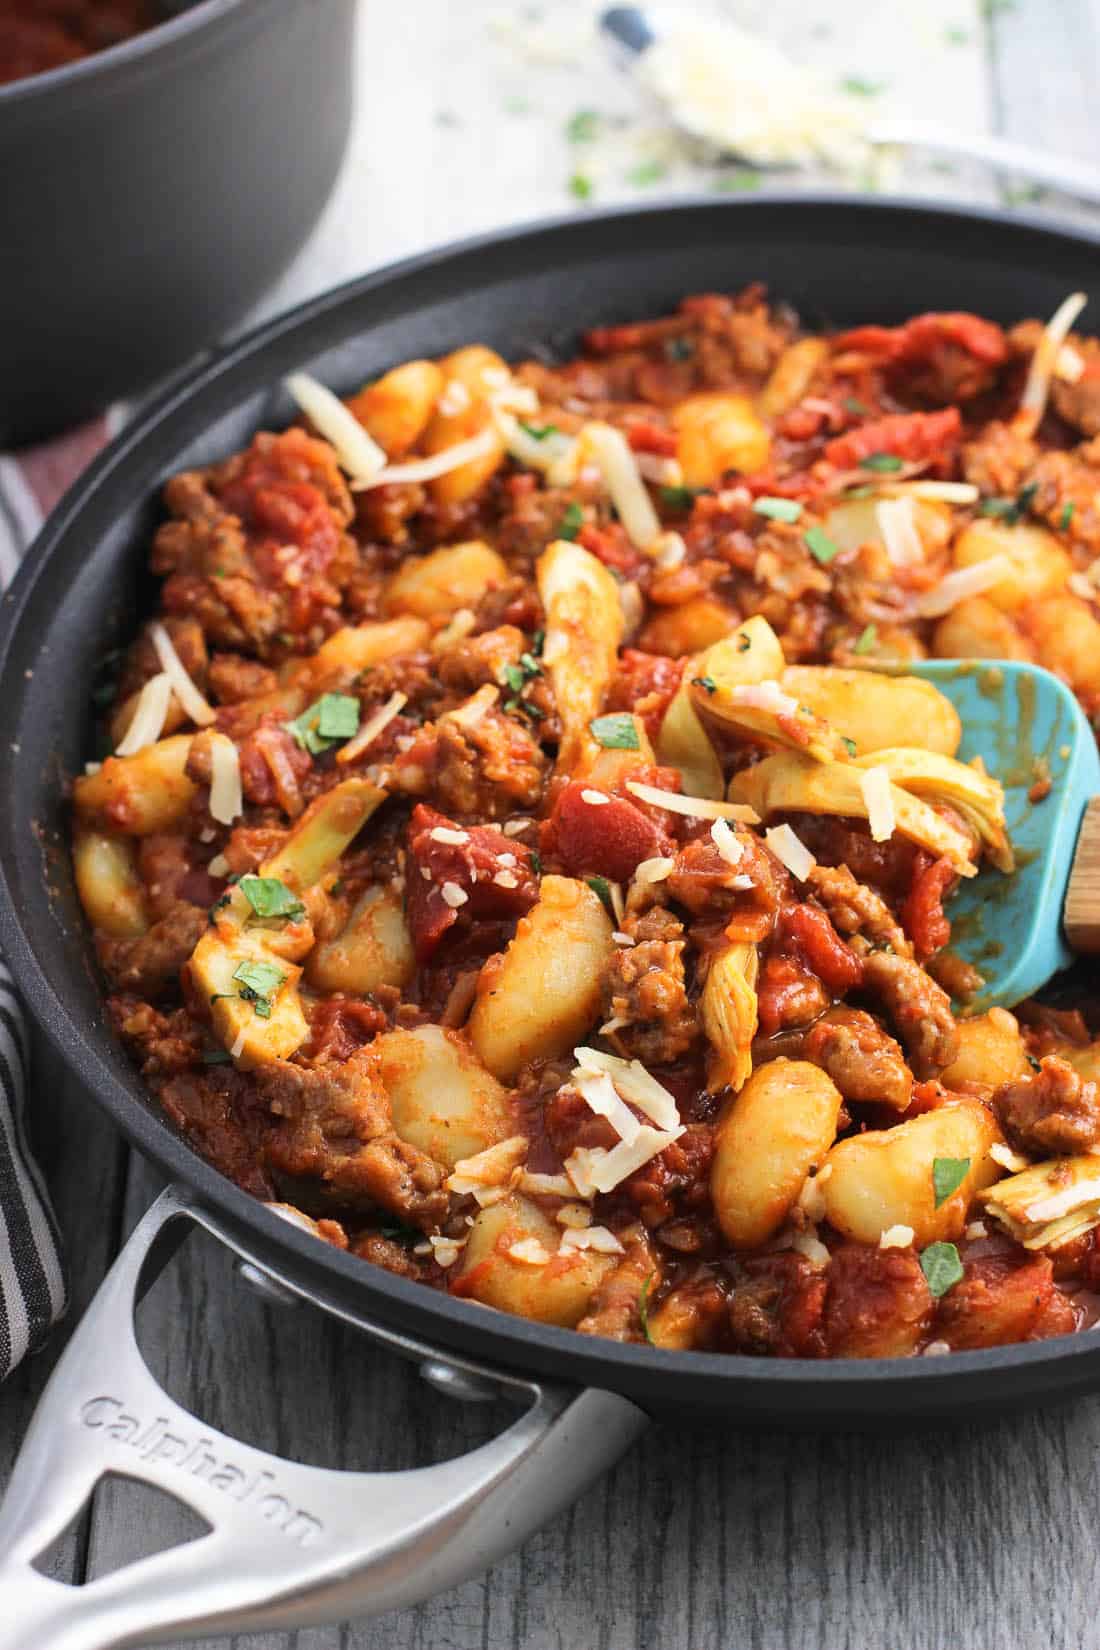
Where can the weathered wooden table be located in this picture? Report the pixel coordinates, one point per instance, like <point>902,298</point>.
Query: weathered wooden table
<point>952,1541</point>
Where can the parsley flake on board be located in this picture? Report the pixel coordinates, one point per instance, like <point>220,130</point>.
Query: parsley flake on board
<point>867,639</point>
<point>736,183</point>
<point>882,463</point>
<point>536,863</point>
<point>778,509</point>
<point>857,86</point>
<point>647,174</point>
<point>270,897</point>
<point>821,547</point>
<point>616,731</point>
<point>948,1174</point>
<point>580,186</point>
<point>571,522</point>
<point>602,888</point>
<point>583,127</point>
<point>942,1268</point>
<point>331,718</point>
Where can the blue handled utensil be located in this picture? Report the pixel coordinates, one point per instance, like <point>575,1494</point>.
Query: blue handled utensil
<point>1027,727</point>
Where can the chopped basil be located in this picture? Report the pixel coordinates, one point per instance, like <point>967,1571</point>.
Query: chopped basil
<point>219,905</point>
<point>948,1174</point>
<point>643,1307</point>
<point>744,643</point>
<point>216,1057</point>
<point>571,522</point>
<point>1026,497</point>
<point>537,639</point>
<point>882,463</point>
<point>583,127</point>
<point>616,732</point>
<point>580,186</point>
<point>406,1235</point>
<point>1033,1063</point>
<point>778,509</point>
<point>269,897</point>
<point>1067,515</point>
<point>707,683</point>
<point>849,744</point>
<point>679,349</point>
<point>942,1268</point>
<point>647,174</point>
<point>997,507</point>
<point>257,980</point>
<point>525,708</point>
<point>536,863</point>
<point>867,639</point>
<point>1010,509</point>
<point>858,492</point>
<point>820,545</point>
<point>539,432</point>
<point>332,717</point>
<point>855,407</point>
<point>513,677</point>
<point>531,666</point>
<point>678,498</point>
<point>601,887</point>
<point>856,86</point>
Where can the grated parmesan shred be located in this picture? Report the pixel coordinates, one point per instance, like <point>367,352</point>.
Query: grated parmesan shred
<point>731,850</point>
<point>613,454</point>
<point>896,1237</point>
<point>632,1080</point>
<point>372,727</point>
<point>436,464</point>
<point>897,523</point>
<point>1043,363</point>
<point>790,850</point>
<point>599,1238</point>
<point>226,797</point>
<point>766,696</point>
<point>592,1169</point>
<point>358,453</point>
<point>529,1251</point>
<point>150,712</point>
<point>961,584</point>
<point>694,807</point>
<point>191,700</point>
<point>602,1097</point>
<point>491,1167</point>
<point>874,785</point>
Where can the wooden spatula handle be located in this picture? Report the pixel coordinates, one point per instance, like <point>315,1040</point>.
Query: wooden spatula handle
<point>1081,915</point>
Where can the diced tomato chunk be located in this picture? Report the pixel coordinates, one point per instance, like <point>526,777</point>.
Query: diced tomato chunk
<point>608,838</point>
<point>646,685</point>
<point>808,934</point>
<point>922,915</point>
<point>914,437</point>
<point>652,438</point>
<point>611,546</point>
<point>492,871</point>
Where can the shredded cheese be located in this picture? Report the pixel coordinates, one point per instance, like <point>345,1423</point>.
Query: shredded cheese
<point>226,798</point>
<point>808,1243</point>
<point>874,783</point>
<point>458,629</point>
<point>372,727</point>
<point>731,850</point>
<point>592,1169</point>
<point>613,454</point>
<point>573,1214</point>
<point>453,839</point>
<point>766,696</point>
<point>595,799</point>
<point>694,807</point>
<point>454,399</point>
<point>663,472</point>
<point>896,1237</point>
<point>1014,1162</point>
<point>602,1097</point>
<point>633,1081</point>
<point>546,1185</point>
<point>238,1045</point>
<point>191,700</point>
<point>476,706</point>
<point>446,1250</point>
<point>490,1167</point>
<point>1070,365</point>
<point>218,866</point>
<point>150,711</point>
<point>453,895</point>
<point>669,551</point>
<point>977,1229</point>
<point>516,827</point>
<point>590,1237</point>
<point>1034,399</point>
<point>961,584</point>
<point>358,453</point>
<point>1060,1203</point>
<point>653,870</point>
<point>943,492</point>
<point>436,464</point>
<point>529,1251</point>
<point>897,523</point>
<point>790,851</point>
<point>553,454</point>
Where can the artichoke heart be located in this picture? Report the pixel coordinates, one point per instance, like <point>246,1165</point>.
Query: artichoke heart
<point>978,800</point>
<point>1047,1205</point>
<point>788,783</point>
<point>738,684</point>
<point>729,1011</point>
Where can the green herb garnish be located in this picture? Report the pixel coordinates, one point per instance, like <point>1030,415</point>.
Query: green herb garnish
<point>707,683</point>
<point>332,717</point>
<point>216,1057</point>
<point>942,1268</point>
<point>269,897</point>
<point>539,432</point>
<point>580,186</point>
<point>257,981</point>
<point>736,183</point>
<point>856,86</point>
<point>867,639</point>
<point>602,888</point>
<point>1067,515</point>
<point>778,509</point>
<point>948,1174</point>
<point>583,127</point>
<point>744,643</point>
<point>643,1307</point>
<point>849,744</point>
<point>856,408</point>
<point>616,732</point>
<point>1033,1063</point>
<point>571,522</point>
<point>647,174</point>
<point>882,463</point>
<point>536,863</point>
<point>820,545</point>
<point>678,498</point>
<point>954,36</point>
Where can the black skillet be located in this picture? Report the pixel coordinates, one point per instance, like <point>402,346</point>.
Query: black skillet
<point>345,1544</point>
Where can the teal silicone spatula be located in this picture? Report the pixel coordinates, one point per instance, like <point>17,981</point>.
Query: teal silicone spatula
<point>1026,725</point>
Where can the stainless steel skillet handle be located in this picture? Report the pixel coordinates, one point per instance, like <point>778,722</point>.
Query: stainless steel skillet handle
<point>288,1545</point>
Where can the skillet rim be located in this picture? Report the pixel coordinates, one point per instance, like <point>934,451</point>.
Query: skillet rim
<point>821,1393</point>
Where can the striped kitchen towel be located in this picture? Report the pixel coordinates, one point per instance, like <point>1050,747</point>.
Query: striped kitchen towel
<point>33,1292</point>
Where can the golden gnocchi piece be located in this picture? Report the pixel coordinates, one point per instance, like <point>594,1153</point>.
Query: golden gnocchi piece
<point>688,628</point>
<point>541,996</point>
<point>442,1098</point>
<point>1066,639</point>
<point>140,794</point>
<point>773,1133</point>
<point>584,627</point>
<point>979,629</point>
<point>991,1051</point>
<point>469,377</point>
<point>916,528</point>
<point>357,647</point>
<point>372,949</point>
<point>717,432</point>
<point>436,585</point>
<point>1040,565</point>
<point>884,1177</point>
<point>107,881</point>
<point>792,376</point>
<point>396,409</point>
<point>556,1289</point>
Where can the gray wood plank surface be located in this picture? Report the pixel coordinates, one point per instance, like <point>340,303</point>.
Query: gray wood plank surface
<point>697,1541</point>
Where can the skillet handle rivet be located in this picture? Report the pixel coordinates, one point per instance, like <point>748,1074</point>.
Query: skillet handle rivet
<point>458,1383</point>
<point>264,1285</point>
